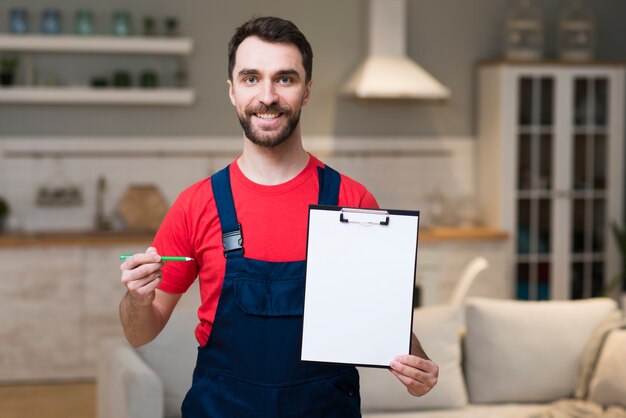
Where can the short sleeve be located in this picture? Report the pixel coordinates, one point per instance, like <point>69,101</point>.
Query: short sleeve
<point>173,239</point>
<point>368,201</point>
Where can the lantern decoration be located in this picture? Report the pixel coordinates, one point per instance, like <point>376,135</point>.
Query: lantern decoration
<point>524,32</point>
<point>576,33</point>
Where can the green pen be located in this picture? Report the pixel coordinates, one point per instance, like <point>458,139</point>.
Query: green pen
<point>164,258</point>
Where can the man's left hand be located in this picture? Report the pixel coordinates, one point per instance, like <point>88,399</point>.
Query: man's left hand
<point>417,374</point>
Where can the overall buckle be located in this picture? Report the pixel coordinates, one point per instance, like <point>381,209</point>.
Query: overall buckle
<point>232,241</point>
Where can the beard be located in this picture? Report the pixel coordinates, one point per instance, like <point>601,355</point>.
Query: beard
<point>268,139</point>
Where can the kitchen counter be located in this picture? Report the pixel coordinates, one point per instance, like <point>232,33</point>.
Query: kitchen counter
<point>87,238</point>
<point>73,279</point>
<point>95,238</point>
<point>448,234</point>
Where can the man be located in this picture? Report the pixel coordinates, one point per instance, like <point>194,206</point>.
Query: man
<point>245,227</point>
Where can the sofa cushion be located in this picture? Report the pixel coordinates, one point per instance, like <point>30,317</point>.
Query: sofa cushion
<point>608,385</point>
<point>437,328</point>
<point>521,351</point>
<point>470,411</point>
<point>172,355</point>
<point>592,353</point>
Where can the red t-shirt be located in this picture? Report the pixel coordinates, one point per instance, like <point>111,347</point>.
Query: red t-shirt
<point>274,226</point>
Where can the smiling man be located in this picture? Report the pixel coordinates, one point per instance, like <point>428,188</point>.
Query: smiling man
<point>245,227</point>
<point>271,110</point>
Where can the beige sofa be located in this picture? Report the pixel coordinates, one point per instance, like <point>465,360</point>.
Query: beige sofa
<point>515,359</point>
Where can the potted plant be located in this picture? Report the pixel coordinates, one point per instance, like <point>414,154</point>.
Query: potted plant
<point>616,285</point>
<point>5,211</point>
<point>8,67</point>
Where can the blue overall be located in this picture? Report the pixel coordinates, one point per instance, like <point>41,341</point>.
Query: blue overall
<point>250,366</point>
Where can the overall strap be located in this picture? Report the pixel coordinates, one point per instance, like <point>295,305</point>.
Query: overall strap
<point>232,239</point>
<point>329,180</point>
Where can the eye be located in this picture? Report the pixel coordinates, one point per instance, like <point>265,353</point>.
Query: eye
<point>250,80</point>
<point>285,80</point>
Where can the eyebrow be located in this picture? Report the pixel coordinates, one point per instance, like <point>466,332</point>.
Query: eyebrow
<point>289,72</point>
<point>252,71</point>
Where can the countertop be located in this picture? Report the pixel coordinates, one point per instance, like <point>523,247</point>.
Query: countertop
<point>78,238</point>
<point>94,238</point>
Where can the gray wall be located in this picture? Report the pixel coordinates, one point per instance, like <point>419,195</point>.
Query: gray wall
<point>447,37</point>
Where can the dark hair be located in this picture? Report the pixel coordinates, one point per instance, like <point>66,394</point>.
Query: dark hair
<point>271,29</point>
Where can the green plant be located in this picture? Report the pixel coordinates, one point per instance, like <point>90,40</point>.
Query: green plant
<point>8,63</point>
<point>5,209</point>
<point>617,283</point>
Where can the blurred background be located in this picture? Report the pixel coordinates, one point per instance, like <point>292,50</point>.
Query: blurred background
<point>505,130</point>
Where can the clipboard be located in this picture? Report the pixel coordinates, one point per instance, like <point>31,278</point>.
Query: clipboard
<point>360,277</point>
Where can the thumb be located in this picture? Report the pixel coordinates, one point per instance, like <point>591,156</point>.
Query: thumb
<point>152,250</point>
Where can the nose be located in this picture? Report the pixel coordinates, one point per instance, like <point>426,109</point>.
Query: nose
<point>268,94</point>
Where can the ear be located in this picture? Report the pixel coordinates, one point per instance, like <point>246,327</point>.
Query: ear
<point>231,92</point>
<point>307,93</point>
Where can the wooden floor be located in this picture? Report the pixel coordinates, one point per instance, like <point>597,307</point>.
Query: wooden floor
<point>62,400</point>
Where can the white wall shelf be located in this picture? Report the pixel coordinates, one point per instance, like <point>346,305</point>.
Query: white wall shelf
<point>97,44</point>
<point>96,96</point>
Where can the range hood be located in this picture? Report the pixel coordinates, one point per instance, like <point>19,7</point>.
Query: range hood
<point>387,72</point>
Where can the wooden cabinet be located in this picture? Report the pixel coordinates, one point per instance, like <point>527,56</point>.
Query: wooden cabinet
<point>550,158</point>
<point>57,303</point>
<point>60,293</point>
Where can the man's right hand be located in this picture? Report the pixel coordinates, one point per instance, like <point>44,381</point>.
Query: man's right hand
<point>141,274</point>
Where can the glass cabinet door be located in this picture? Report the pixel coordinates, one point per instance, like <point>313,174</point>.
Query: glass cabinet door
<point>535,182</point>
<point>589,167</point>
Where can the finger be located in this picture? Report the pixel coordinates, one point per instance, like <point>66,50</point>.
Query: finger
<point>417,362</point>
<point>139,283</point>
<point>414,387</point>
<point>141,258</point>
<point>410,372</point>
<point>149,288</point>
<point>140,273</point>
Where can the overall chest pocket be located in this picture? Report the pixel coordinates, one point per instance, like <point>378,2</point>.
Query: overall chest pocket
<point>270,297</point>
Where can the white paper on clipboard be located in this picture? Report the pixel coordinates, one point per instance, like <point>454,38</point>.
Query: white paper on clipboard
<point>360,277</point>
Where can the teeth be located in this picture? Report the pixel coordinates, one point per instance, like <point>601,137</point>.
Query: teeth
<point>267,115</point>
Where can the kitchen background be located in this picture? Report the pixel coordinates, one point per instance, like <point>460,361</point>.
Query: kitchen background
<point>413,154</point>
<point>447,37</point>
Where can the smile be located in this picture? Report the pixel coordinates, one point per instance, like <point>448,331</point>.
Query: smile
<point>267,116</point>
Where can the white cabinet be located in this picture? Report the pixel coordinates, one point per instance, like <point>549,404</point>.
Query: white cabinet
<point>550,163</point>
<point>73,95</point>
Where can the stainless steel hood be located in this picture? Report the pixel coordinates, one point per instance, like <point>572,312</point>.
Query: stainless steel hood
<point>387,72</point>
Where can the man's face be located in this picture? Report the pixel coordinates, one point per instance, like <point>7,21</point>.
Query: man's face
<point>268,90</point>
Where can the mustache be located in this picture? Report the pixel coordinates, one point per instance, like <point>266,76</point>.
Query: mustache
<point>274,108</point>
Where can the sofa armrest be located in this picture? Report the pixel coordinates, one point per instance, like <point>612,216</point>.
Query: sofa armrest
<point>127,386</point>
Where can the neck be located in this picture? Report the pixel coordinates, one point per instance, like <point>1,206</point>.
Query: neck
<point>272,166</point>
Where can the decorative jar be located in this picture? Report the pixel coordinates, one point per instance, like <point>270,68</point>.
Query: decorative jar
<point>18,20</point>
<point>51,21</point>
<point>83,22</point>
<point>148,79</point>
<point>122,25</point>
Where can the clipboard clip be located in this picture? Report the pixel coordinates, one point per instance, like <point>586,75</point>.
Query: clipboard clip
<point>364,216</point>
